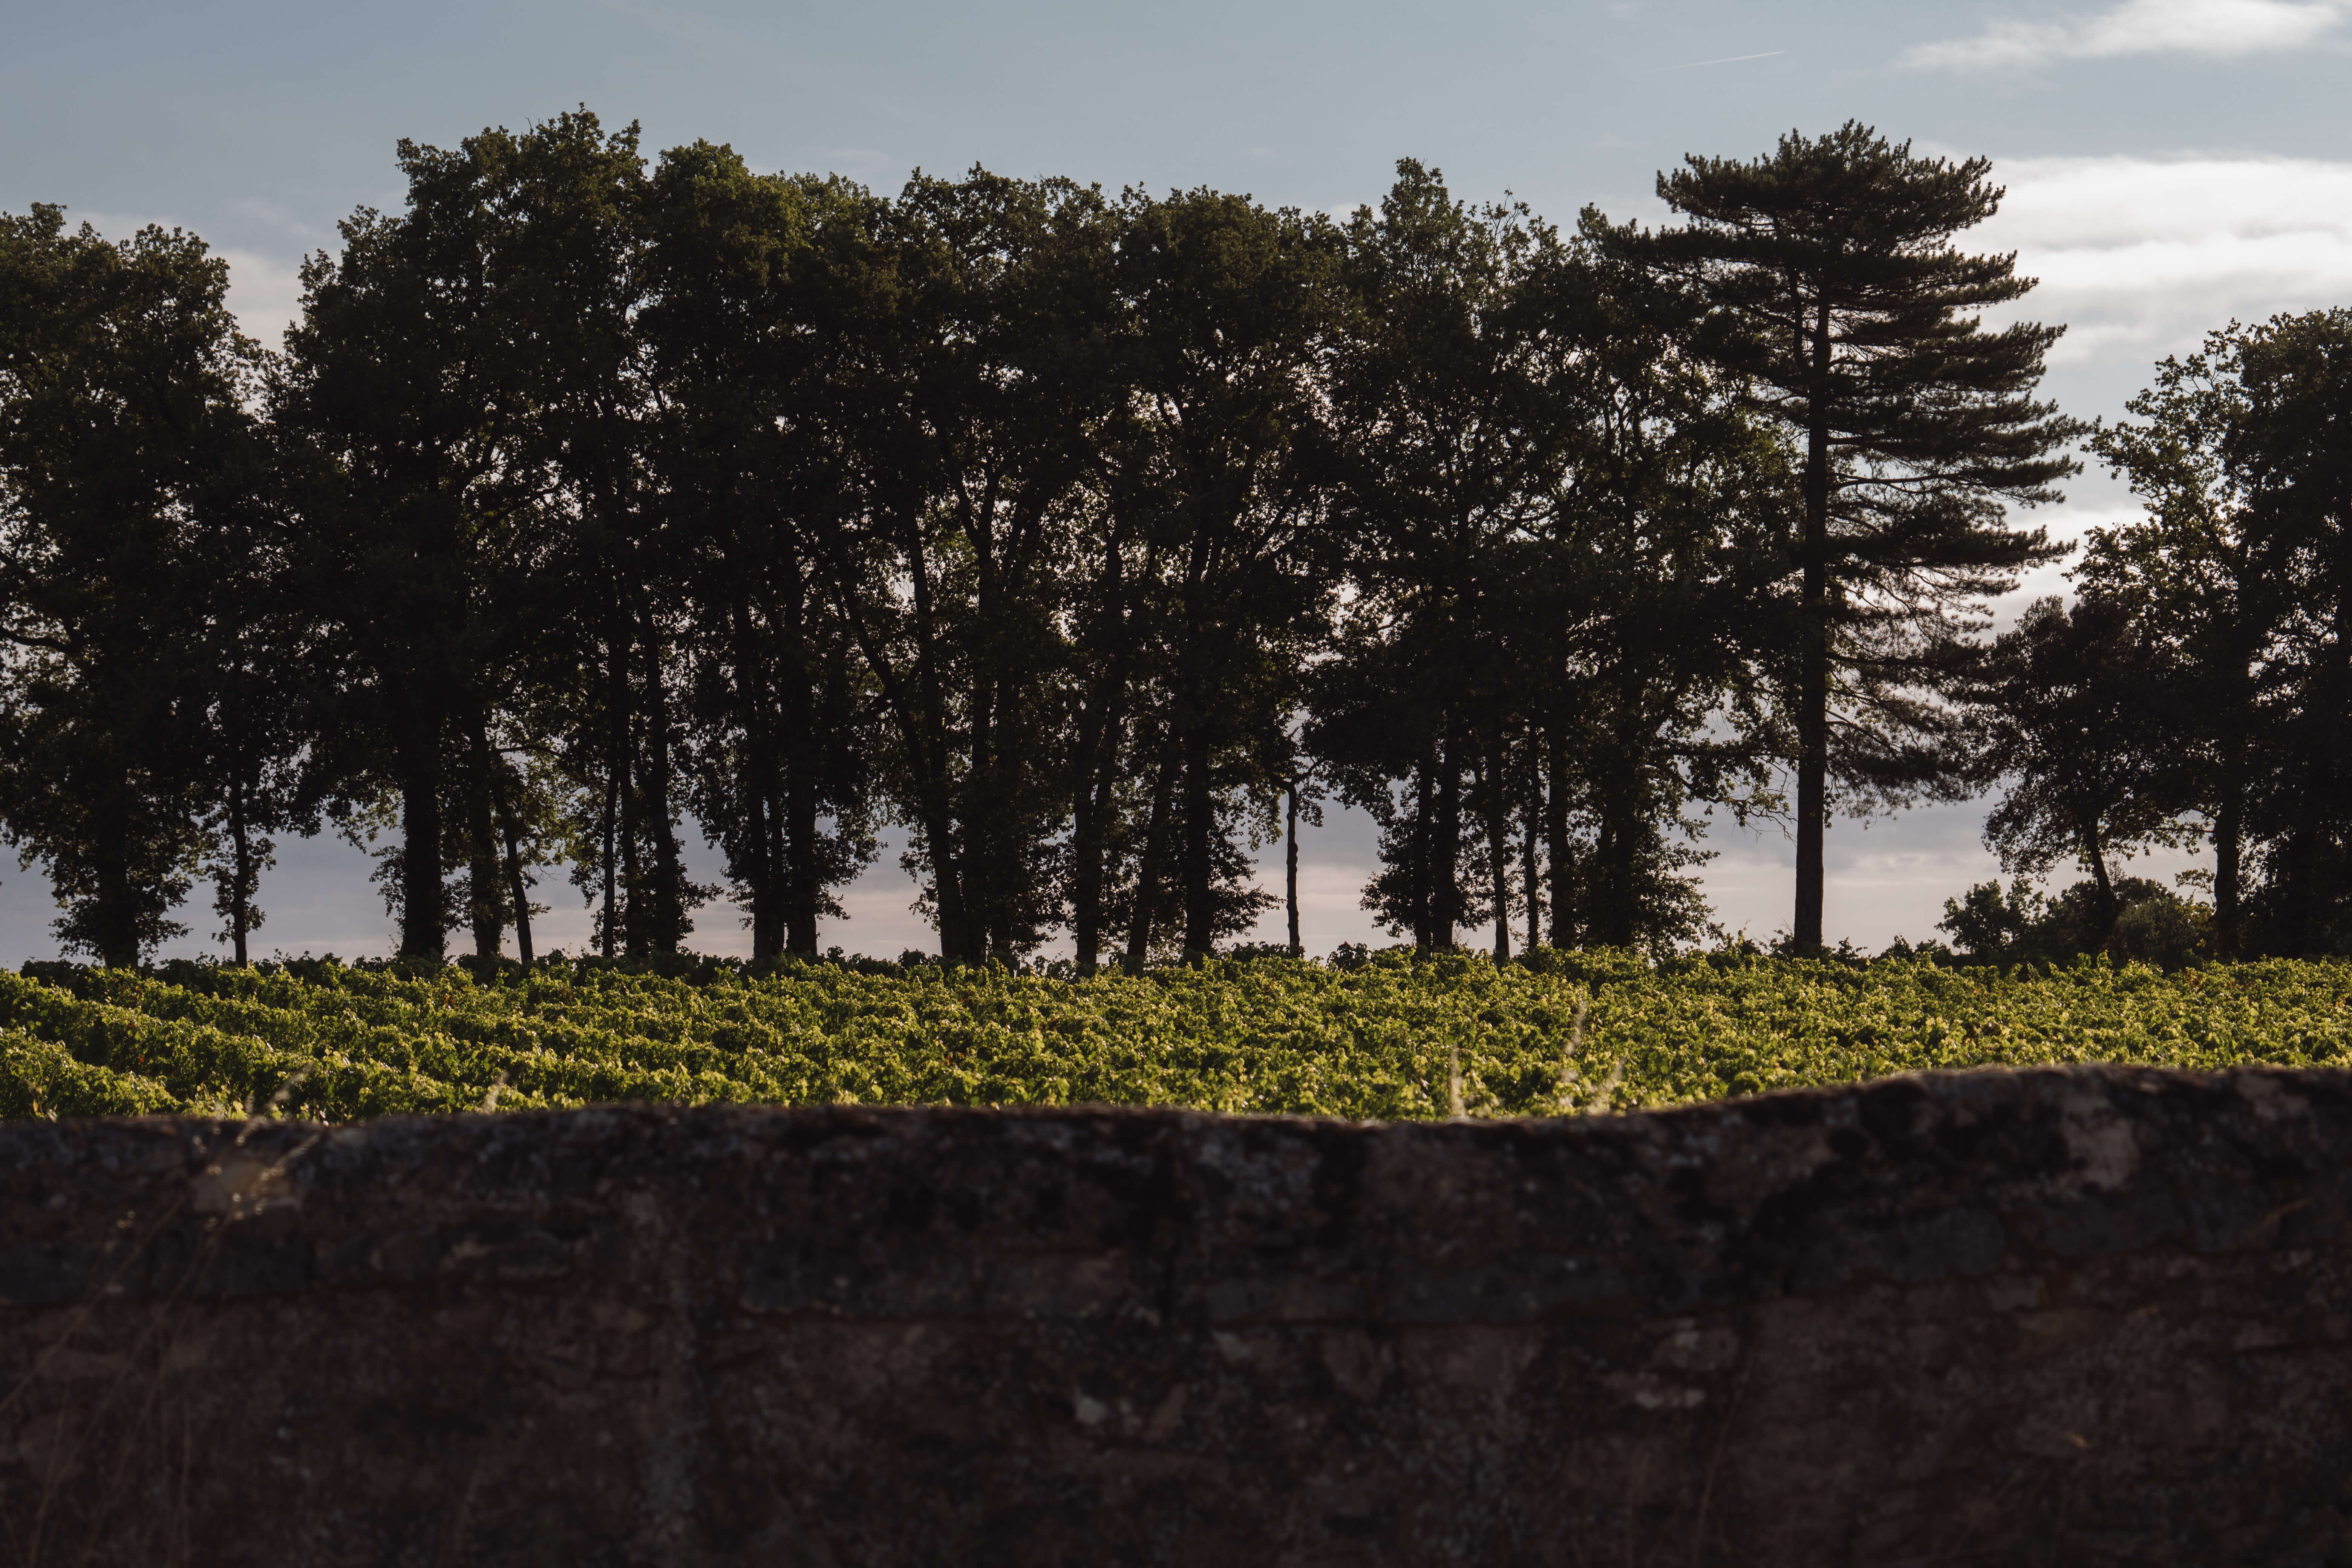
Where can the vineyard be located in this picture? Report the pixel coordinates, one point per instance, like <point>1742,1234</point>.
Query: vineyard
<point>1562,1033</point>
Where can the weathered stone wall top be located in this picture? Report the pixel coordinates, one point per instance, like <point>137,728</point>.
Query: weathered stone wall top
<point>2064,1315</point>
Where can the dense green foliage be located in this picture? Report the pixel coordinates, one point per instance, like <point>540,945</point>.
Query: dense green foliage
<point>597,497</point>
<point>1555,1033</point>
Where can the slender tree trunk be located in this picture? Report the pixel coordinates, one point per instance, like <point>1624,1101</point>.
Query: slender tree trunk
<point>1102,729</point>
<point>615,766</point>
<point>1424,852</point>
<point>484,897</point>
<point>1147,873</point>
<point>1625,800</point>
<point>1290,866</point>
<point>666,922</point>
<point>766,862</point>
<point>1563,852</point>
<point>760,837</point>
<point>627,831</point>
<point>609,928</point>
<point>1199,826</point>
<point>1609,922</point>
<point>956,889</point>
<point>2228,834</point>
<point>763,860</point>
<point>620,851</point>
<point>1813,669</point>
<point>1530,830</point>
<point>240,897</point>
<point>1499,852</point>
<point>117,914</point>
<point>423,931</point>
<point>517,888</point>
<point>804,760</point>
<point>2295,934</point>
<point>999,864</point>
<point>1445,869</point>
<point>800,856</point>
<point>1093,778</point>
<point>1089,811</point>
<point>2095,851</point>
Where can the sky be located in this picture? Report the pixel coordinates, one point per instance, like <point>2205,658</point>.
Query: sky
<point>2171,164</point>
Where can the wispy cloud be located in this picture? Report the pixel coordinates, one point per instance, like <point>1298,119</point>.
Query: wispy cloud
<point>2142,256</point>
<point>2211,27</point>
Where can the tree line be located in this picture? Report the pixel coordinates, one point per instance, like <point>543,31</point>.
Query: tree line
<point>1101,540</point>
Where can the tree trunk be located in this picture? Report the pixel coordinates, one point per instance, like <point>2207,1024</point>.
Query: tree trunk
<point>615,763</point>
<point>626,833</point>
<point>240,896</point>
<point>1563,852</point>
<point>957,892</point>
<point>2229,832</point>
<point>1445,864</point>
<point>1102,727</point>
<point>517,888</point>
<point>2295,933</point>
<point>2095,851</point>
<point>484,897</point>
<point>802,760</point>
<point>665,922</point>
<point>1147,877</point>
<point>1092,779</point>
<point>1611,926</point>
<point>763,862</point>
<point>609,927</point>
<point>1813,668</point>
<point>1424,854</point>
<point>1090,803</point>
<point>1199,826</point>
<point>799,854</point>
<point>1499,853</point>
<point>1290,866</point>
<point>117,914</point>
<point>1530,827</point>
<point>423,931</point>
<point>759,838</point>
<point>961,941</point>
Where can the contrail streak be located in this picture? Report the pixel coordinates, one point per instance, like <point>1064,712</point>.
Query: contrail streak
<point>1726,60</point>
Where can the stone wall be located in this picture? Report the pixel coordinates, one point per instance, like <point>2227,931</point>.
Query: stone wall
<point>2092,1316</point>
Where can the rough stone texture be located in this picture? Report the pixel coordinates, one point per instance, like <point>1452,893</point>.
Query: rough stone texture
<point>2091,1316</point>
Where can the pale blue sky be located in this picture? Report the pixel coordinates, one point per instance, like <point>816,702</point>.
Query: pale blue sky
<point>2171,164</point>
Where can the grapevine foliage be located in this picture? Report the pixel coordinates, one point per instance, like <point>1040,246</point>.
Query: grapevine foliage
<point>1558,1033</point>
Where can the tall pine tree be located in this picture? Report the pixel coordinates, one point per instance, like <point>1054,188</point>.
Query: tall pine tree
<point>1863,338</point>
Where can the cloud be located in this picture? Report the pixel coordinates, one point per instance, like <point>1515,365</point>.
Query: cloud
<point>2141,255</point>
<point>264,293</point>
<point>2211,27</point>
